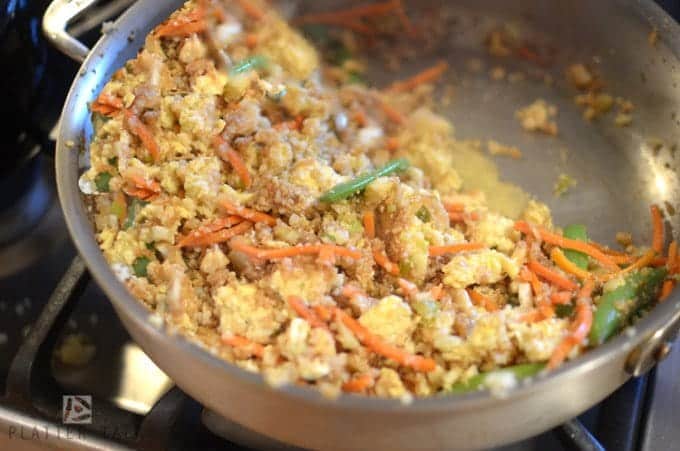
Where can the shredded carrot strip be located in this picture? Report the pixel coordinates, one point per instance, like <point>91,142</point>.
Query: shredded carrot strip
<point>369,224</point>
<point>106,104</point>
<point>139,193</point>
<point>385,263</point>
<point>250,9</point>
<point>436,251</point>
<point>407,287</point>
<point>357,12</point>
<point>360,118</point>
<point>429,75</point>
<point>579,328</point>
<point>462,217</point>
<point>657,223</point>
<point>392,113</point>
<point>437,292</point>
<point>454,207</point>
<point>377,345</point>
<point>180,29</point>
<point>251,40</point>
<point>358,384</point>
<point>305,313</point>
<point>567,265</point>
<point>326,256</point>
<point>392,144</point>
<point>140,130</point>
<point>293,251</point>
<point>247,213</point>
<point>544,307</point>
<point>482,301</point>
<point>672,259</point>
<point>189,23</point>
<point>323,312</point>
<point>561,297</point>
<point>645,260</point>
<point>237,341</point>
<point>567,243</point>
<point>213,226</point>
<point>144,183</point>
<point>405,21</point>
<point>220,236</point>
<point>533,316</point>
<point>226,153</point>
<point>666,289</point>
<point>552,276</point>
<point>353,292</point>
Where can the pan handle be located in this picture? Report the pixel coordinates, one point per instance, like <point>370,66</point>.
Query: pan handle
<point>655,348</point>
<point>60,13</point>
<point>57,16</point>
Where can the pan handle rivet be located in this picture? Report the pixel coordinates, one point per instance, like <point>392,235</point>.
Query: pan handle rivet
<point>662,351</point>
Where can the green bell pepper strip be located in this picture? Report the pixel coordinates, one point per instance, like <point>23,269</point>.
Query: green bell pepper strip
<point>616,307</point>
<point>576,232</point>
<point>477,382</point>
<point>347,189</point>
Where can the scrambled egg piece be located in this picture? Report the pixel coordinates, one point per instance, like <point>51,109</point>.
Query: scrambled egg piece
<point>391,318</point>
<point>496,231</point>
<point>245,311</point>
<point>310,282</point>
<point>424,132</point>
<point>483,267</point>
<point>538,340</point>
<point>538,117</point>
<point>288,49</point>
<point>389,384</point>
<point>538,213</point>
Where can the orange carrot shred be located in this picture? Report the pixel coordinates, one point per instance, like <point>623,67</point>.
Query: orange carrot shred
<point>567,265</point>
<point>427,76</point>
<point>292,251</point>
<point>552,276</point>
<point>229,155</point>
<point>210,238</point>
<point>369,224</point>
<point>106,104</point>
<point>358,384</point>
<point>482,301</point>
<point>237,341</point>
<point>250,9</point>
<point>304,312</point>
<point>645,260</point>
<point>561,297</point>
<point>657,225</point>
<point>380,347</point>
<point>357,12</point>
<point>247,213</point>
<point>392,144</point>
<point>140,130</point>
<point>437,251</point>
<point>407,287</point>
<point>391,113</point>
<point>567,243</point>
<point>579,329</point>
<point>323,312</point>
<point>666,289</point>
<point>384,262</point>
<point>672,259</point>
<point>437,292</point>
<point>251,40</point>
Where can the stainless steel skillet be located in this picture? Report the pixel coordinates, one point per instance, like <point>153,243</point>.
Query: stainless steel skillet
<point>619,174</point>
